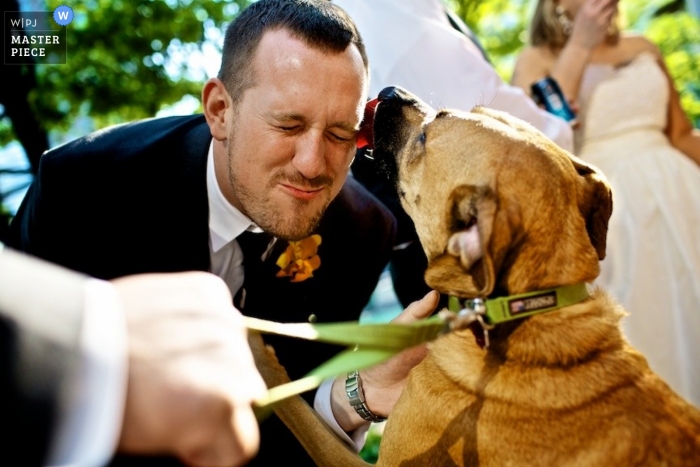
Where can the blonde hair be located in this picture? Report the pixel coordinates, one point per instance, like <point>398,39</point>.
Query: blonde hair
<point>546,29</point>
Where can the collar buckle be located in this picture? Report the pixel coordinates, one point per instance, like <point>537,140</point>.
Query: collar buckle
<point>470,311</point>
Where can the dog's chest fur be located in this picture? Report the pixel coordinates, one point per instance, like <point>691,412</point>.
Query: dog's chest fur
<point>539,398</point>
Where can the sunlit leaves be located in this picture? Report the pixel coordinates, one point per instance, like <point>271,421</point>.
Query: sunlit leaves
<point>127,59</point>
<point>678,36</point>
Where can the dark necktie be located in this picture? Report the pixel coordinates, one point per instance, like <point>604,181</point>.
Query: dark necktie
<point>253,245</point>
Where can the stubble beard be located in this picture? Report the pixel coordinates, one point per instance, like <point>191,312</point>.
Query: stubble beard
<point>285,223</point>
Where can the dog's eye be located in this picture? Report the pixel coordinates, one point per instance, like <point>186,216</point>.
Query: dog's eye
<point>421,138</point>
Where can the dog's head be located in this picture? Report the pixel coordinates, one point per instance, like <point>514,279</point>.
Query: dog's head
<point>496,204</point>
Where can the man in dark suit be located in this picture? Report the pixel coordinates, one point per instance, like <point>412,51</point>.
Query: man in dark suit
<point>271,154</point>
<point>64,342</point>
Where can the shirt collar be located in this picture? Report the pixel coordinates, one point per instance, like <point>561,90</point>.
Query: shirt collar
<point>226,222</point>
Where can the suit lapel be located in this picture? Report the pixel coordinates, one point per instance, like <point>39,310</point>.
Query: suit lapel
<point>195,207</point>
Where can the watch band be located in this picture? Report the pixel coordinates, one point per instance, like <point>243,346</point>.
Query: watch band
<point>353,388</point>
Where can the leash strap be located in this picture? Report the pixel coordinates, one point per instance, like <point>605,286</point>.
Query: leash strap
<point>370,344</point>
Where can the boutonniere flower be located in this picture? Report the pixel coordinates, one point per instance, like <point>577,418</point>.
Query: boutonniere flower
<point>300,259</point>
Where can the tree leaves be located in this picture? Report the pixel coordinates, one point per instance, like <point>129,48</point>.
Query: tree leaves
<point>126,59</point>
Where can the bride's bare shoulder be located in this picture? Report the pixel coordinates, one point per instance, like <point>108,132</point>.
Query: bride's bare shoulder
<point>635,44</point>
<point>540,55</point>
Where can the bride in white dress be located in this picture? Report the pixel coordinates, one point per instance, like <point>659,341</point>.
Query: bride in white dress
<point>633,128</point>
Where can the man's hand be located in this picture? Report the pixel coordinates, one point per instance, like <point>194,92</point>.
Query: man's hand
<point>382,384</point>
<point>191,373</point>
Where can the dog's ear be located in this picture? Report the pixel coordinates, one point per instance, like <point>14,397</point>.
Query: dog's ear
<point>595,203</point>
<point>467,268</point>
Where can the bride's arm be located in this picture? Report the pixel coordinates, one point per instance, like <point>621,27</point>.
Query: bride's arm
<point>679,129</point>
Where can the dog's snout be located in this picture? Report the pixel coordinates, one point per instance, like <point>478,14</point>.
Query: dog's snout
<point>397,94</point>
<point>396,113</point>
<point>388,93</point>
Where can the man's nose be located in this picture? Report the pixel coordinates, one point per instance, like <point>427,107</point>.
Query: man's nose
<point>310,156</point>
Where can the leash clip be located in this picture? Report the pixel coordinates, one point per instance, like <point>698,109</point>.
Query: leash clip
<point>478,307</point>
<point>472,310</point>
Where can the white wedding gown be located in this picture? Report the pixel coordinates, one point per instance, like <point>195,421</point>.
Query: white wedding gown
<point>653,249</point>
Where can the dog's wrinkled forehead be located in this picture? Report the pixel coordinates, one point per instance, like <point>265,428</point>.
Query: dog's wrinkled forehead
<point>439,153</point>
<point>431,153</point>
<point>428,152</point>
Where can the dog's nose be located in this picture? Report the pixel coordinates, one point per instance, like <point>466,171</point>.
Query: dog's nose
<point>387,93</point>
<point>397,95</point>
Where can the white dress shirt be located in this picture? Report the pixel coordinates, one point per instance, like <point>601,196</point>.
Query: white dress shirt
<point>410,43</point>
<point>225,224</point>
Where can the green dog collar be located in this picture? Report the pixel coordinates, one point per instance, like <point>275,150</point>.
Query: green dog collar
<point>502,309</point>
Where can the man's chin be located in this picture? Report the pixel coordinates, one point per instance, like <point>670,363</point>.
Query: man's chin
<point>293,224</point>
<point>288,218</point>
<point>292,234</point>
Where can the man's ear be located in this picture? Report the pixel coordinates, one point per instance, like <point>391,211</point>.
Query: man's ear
<point>216,102</point>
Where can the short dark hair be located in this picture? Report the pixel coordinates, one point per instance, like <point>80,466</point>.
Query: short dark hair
<point>320,23</point>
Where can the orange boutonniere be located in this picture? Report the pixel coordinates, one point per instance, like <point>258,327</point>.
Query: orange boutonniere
<point>299,260</point>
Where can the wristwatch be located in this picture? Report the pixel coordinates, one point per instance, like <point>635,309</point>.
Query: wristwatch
<point>353,388</point>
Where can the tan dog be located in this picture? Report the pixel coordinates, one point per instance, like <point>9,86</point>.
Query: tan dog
<point>500,210</point>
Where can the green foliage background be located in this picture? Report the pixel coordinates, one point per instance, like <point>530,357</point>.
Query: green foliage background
<point>127,59</point>
<point>118,54</point>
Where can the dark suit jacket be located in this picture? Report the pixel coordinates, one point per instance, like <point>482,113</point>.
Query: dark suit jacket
<point>41,308</point>
<point>133,199</point>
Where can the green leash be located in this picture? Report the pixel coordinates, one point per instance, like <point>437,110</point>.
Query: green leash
<point>371,344</point>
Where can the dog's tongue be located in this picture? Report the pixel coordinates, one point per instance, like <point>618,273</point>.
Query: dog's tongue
<point>365,138</point>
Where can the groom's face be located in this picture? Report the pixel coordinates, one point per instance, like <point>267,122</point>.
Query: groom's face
<point>292,136</point>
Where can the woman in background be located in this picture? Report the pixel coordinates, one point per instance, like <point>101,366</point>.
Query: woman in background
<point>632,127</point>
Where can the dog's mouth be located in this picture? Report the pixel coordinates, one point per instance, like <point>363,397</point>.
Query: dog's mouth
<point>383,132</point>
<point>365,137</point>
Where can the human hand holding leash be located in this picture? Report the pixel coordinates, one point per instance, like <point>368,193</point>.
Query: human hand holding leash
<point>382,384</point>
<point>191,379</point>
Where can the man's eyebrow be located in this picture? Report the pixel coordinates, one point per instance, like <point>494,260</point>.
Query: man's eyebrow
<point>287,116</point>
<point>291,116</point>
<point>345,126</point>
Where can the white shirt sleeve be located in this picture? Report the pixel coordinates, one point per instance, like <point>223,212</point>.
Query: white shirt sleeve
<point>89,434</point>
<point>322,405</point>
